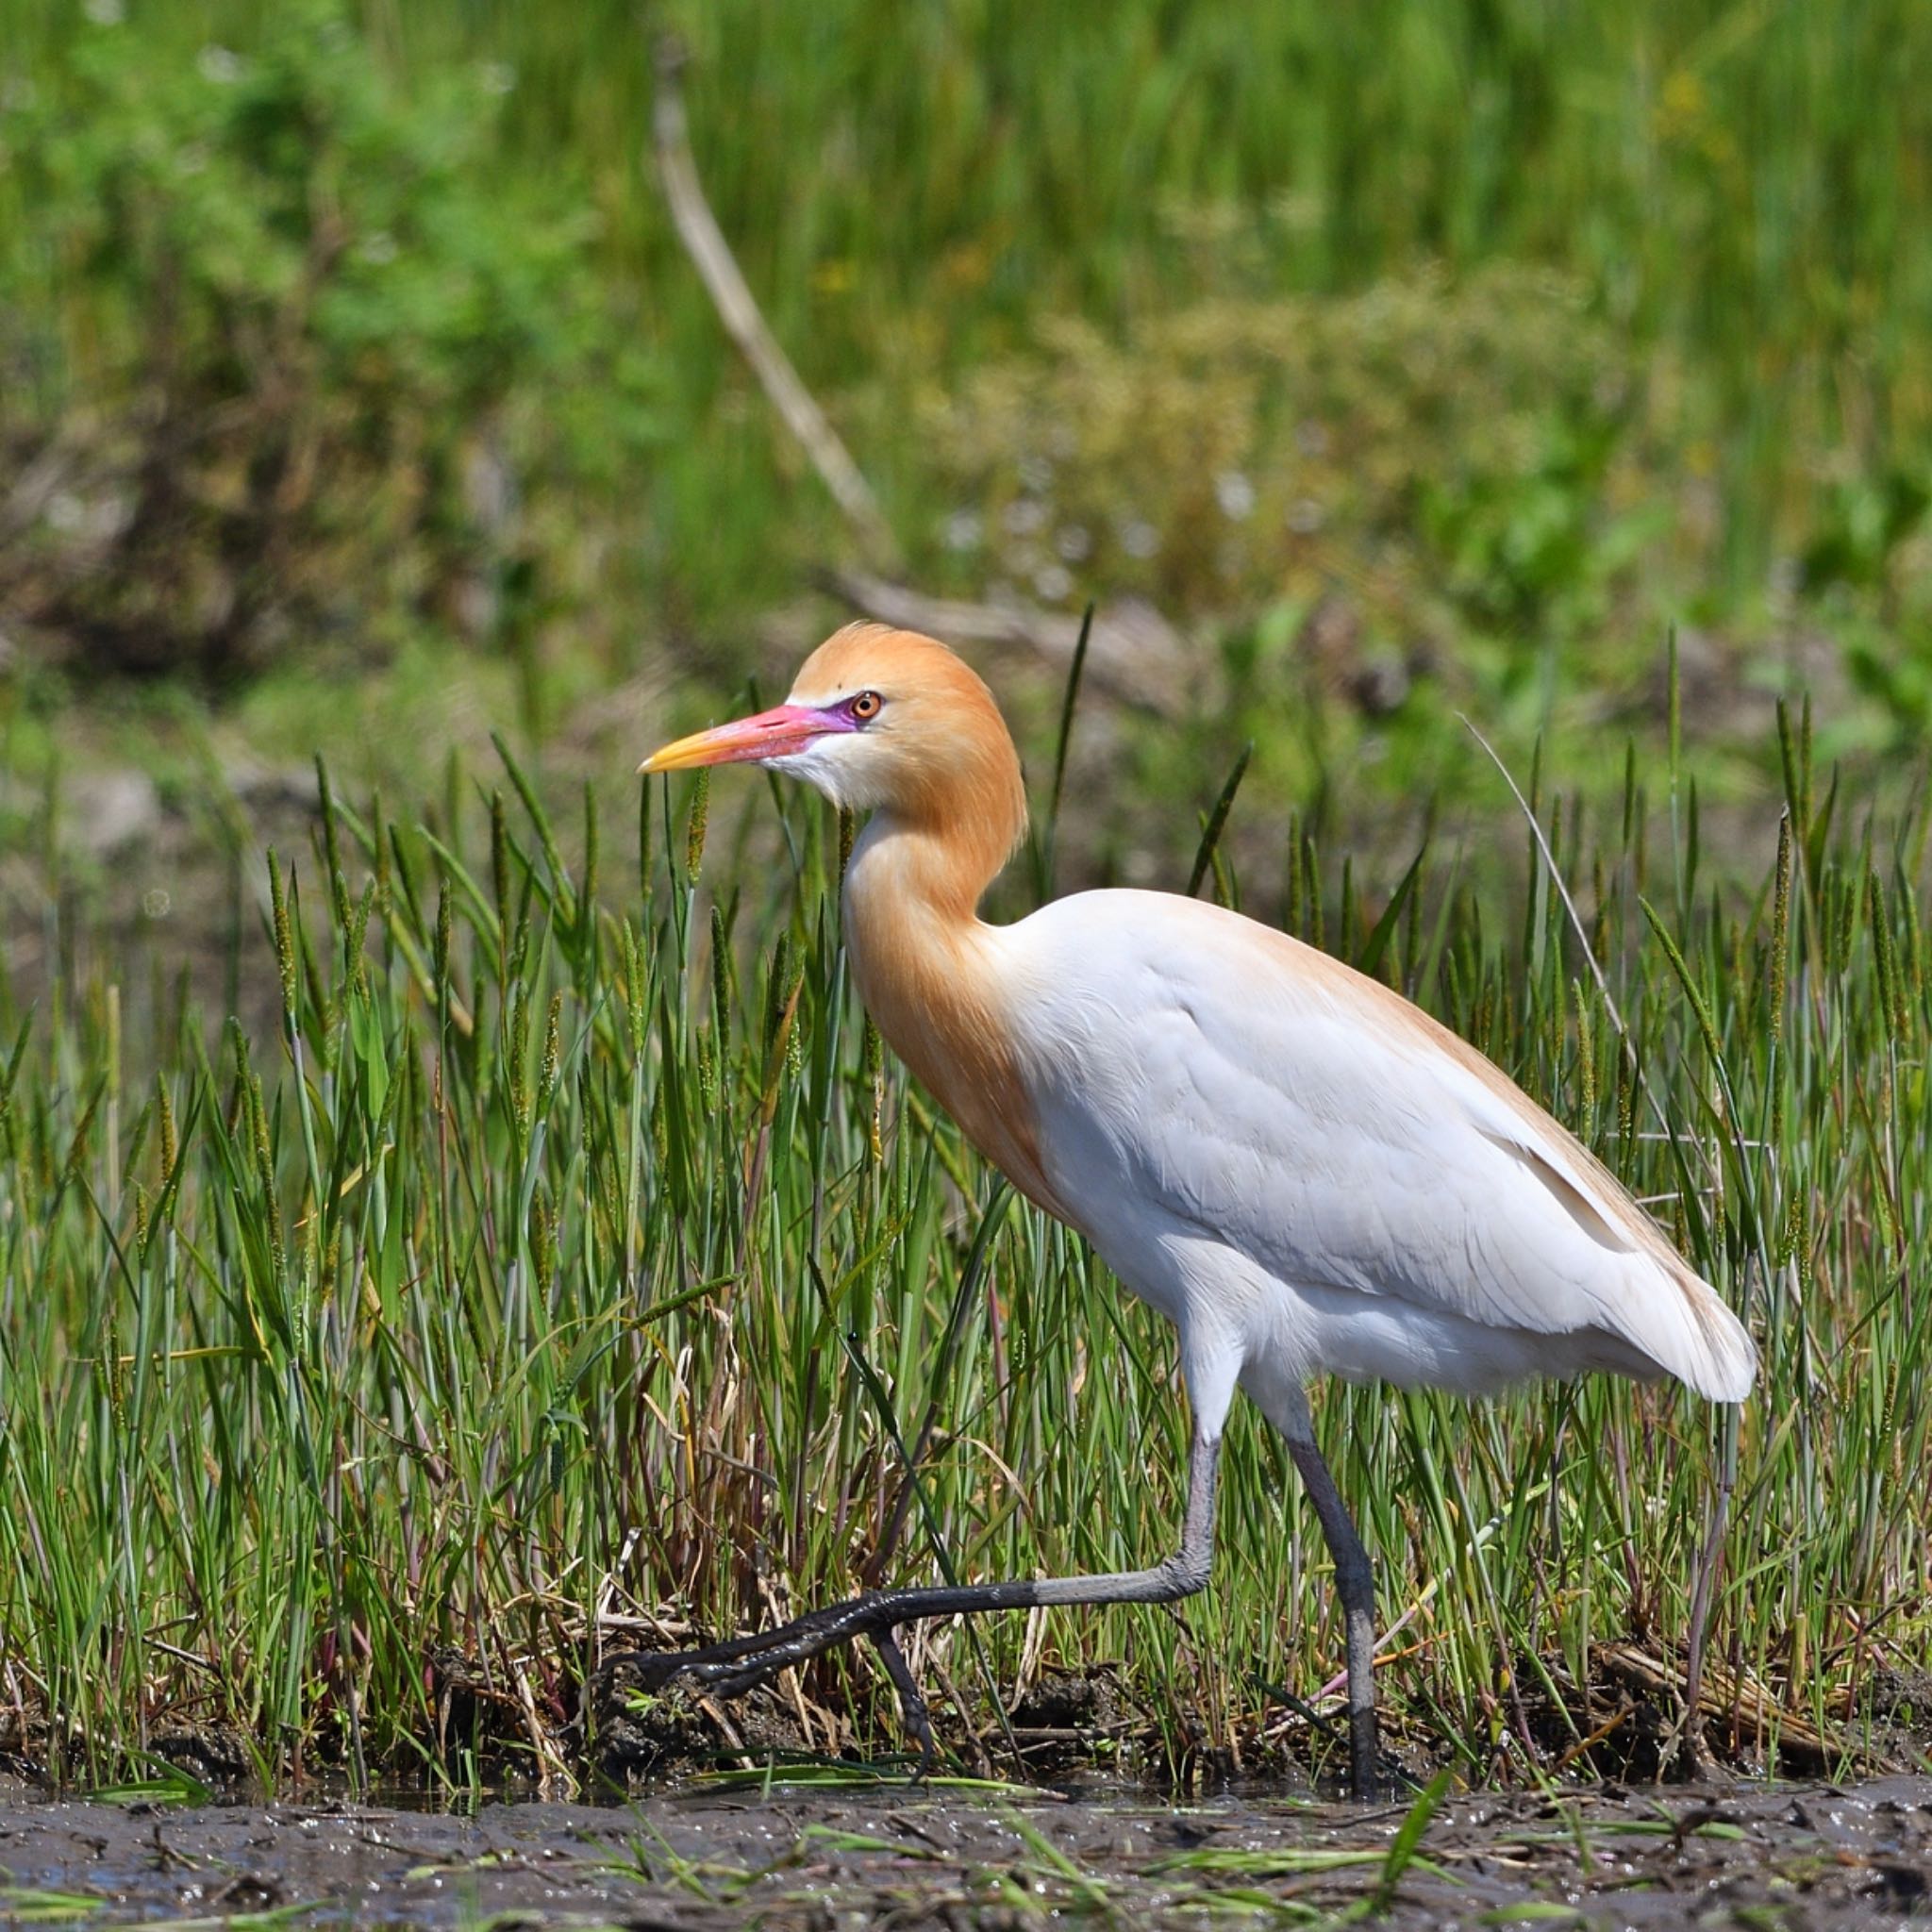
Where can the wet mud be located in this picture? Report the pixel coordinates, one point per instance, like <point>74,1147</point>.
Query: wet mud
<point>703,1859</point>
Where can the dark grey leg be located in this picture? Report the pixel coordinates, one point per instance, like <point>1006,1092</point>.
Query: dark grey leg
<point>1355,1584</point>
<point>912,1710</point>
<point>738,1664</point>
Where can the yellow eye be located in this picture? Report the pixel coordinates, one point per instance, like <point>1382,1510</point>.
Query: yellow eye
<point>867,705</point>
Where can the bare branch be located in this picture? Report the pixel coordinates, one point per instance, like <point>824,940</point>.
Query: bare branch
<point>710,254</point>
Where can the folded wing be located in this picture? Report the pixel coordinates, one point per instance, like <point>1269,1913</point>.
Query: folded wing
<point>1339,1139</point>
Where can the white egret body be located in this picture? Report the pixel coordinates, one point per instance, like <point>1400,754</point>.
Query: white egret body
<point>1295,1165</point>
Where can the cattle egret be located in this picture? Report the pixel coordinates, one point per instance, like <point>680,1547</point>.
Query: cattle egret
<point>1300,1169</point>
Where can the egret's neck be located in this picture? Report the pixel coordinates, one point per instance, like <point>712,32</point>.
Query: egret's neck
<point>920,951</point>
<point>931,975</point>
<point>902,869</point>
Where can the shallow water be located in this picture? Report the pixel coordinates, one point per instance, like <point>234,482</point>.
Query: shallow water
<point>1754,1856</point>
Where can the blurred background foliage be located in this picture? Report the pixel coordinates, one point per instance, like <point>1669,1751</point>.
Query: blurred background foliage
<point>355,389</point>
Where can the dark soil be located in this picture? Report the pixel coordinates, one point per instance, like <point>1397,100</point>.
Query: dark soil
<point>1787,1855</point>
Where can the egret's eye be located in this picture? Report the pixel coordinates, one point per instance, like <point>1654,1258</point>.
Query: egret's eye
<point>867,706</point>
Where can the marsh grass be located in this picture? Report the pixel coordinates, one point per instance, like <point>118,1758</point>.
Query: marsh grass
<point>571,1249</point>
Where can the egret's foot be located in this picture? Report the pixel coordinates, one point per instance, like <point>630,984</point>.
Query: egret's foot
<point>913,1709</point>
<point>743,1663</point>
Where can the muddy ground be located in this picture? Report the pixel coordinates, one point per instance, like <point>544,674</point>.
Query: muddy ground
<point>700,1860</point>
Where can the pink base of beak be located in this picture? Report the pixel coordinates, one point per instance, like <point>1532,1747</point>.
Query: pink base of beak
<point>747,741</point>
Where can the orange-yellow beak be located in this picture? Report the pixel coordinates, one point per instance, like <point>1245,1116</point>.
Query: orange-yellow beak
<point>768,735</point>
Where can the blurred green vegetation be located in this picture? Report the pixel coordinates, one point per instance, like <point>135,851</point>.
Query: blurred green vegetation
<point>1499,337</point>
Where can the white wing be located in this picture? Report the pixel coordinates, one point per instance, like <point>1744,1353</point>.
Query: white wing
<point>1197,1074</point>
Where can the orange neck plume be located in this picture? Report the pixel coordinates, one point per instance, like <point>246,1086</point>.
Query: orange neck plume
<point>926,965</point>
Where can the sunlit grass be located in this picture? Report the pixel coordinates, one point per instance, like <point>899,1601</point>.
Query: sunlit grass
<point>572,1247</point>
